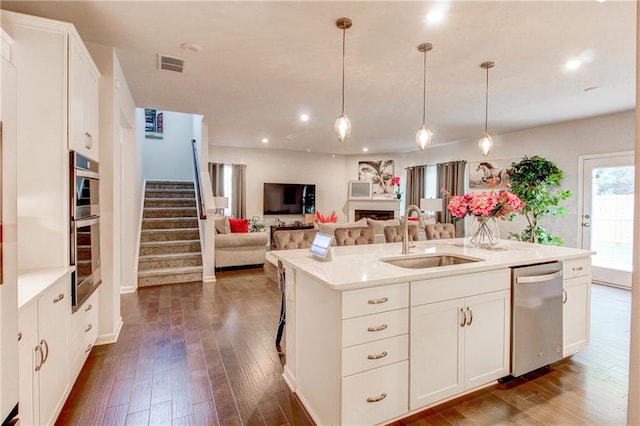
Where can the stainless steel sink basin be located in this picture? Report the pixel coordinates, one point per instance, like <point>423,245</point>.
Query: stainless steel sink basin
<point>430,260</point>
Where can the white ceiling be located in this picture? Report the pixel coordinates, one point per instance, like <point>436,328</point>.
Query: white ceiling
<point>263,63</point>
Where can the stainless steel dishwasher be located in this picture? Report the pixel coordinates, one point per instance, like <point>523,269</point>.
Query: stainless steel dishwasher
<point>536,327</point>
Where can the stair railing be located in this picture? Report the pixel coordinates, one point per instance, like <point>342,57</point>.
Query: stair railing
<point>202,211</point>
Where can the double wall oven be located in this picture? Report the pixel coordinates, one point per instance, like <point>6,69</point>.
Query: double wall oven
<point>85,228</point>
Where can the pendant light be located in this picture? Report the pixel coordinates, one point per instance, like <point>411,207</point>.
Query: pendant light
<point>424,135</point>
<point>342,125</point>
<point>486,143</point>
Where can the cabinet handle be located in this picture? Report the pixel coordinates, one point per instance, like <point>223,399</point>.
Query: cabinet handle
<point>577,268</point>
<point>470,320</point>
<point>38,361</point>
<point>378,328</point>
<point>46,354</point>
<point>88,348</point>
<point>59,298</point>
<point>565,296</point>
<point>377,301</point>
<point>377,356</point>
<point>464,318</point>
<point>89,140</point>
<point>377,398</point>
<point>89,327</point>
<point>19,335</point>
<point>88,308</point>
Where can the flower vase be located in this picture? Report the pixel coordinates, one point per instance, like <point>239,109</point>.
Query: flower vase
<point>486,233</point>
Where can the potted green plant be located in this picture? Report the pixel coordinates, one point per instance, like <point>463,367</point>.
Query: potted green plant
<point>536,181</point>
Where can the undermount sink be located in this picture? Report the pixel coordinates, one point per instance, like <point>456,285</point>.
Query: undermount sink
<point>429,260</point>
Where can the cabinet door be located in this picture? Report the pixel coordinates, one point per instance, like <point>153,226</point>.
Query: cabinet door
<point>486,336</point>
<point>91,110</point>
<point>29,358</point>
<point>575,314</point>
<point>76,83</point>
<point>436,336</point>
<point>54,312</point>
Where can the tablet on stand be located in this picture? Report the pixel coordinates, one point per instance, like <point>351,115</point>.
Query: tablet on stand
<point>321,247</point>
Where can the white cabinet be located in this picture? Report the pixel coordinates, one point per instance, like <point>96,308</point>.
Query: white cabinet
<point>84,332</point>
<point>459,343</point>
<point>83,100</point>
<point>44,356</point>
<point>576,305</point>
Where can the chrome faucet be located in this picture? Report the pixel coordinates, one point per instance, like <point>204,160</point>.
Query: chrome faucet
<point>405,238</point>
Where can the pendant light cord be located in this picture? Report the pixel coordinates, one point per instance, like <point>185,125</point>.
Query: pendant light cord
<point>486,103</point>
<point>344,31</point>
<point>424,92</point>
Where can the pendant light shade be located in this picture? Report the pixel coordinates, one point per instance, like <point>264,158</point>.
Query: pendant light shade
<point>424,135</point>
<point>342,125</point>
<point>486,142</point>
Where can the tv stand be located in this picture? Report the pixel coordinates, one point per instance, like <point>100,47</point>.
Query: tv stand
<point>284,228</point>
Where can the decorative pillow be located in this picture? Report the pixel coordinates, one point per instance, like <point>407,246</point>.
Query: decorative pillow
<point>329,228</point>
<point>222,225</point>
<point>239,225</point>
<point>379,225</point>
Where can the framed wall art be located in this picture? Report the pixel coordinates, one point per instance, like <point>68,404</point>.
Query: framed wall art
<point>380,173</point>
<point>484,175</point>
<point>154,125</point>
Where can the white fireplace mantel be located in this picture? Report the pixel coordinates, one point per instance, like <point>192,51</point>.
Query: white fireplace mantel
<point>382,204</point>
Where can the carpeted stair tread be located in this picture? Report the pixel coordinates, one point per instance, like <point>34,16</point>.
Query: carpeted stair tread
<point>170,271</point>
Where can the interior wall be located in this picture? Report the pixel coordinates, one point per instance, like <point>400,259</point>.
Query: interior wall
<point>170,158</point>
<point>326,171</point>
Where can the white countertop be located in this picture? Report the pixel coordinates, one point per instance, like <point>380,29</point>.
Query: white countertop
<point>32,283</point>
<point>360,266</point>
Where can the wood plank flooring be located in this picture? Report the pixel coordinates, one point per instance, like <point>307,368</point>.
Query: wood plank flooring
<point>203,354</point>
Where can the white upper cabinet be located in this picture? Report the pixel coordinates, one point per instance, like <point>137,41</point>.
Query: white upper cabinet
<point>83,100</point>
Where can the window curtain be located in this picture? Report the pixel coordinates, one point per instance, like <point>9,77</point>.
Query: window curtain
<point>239,191</point>
<point>451,179</point>
<point>415,185</point>
<point>216,173</point>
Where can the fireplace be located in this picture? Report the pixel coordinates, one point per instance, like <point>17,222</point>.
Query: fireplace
<point>376,208</point>
<point>374,214</point>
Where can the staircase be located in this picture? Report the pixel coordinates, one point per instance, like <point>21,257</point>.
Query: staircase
<point>170,239</point>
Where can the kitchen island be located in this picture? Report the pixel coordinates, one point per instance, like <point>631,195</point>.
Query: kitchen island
<point>368,341</point>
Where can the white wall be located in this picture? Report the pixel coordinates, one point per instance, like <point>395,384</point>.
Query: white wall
<point>327,172</point>
<point>170,158</point>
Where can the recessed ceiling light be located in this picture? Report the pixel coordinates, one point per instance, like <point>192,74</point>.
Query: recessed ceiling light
<point>365,149</point>
<point>435,16</point>
<point>572,64</point>
<point>304,117</point>
<point>333,156</point>
<point>265,140</point>
<point>591,88</point>
<point>601,1</point>
<point>191,47</point>
<point>308,150</point>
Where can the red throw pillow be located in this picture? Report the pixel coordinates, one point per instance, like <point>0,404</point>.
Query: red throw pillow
<point>413,218</point>
<point>239,225</point>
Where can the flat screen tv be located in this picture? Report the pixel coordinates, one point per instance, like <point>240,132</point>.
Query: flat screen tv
<point>289,198</point>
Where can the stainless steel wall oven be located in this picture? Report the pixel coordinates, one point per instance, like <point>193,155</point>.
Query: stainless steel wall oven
<point>85,228</point>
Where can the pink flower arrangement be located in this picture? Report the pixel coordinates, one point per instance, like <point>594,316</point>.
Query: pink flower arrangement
<point>485,204</point>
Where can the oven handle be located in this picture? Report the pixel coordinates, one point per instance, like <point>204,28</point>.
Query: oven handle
<point>87,174</point>
<point>80,223</point>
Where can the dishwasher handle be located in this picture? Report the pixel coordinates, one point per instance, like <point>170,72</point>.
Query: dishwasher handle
<point>538,278</point>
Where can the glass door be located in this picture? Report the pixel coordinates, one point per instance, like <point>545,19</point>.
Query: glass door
<point>607,216</point>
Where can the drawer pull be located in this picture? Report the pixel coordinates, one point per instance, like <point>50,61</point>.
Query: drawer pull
<point>377,398</point>
<point>564,299</point>
<point>464,318</point>
<point>88,308</point>
<point>378,328</point>
<point>377,301</point>
<point>19,335</point>
<point>59,298</point>
<point>38,356</point>
<point>377,356</point>
<point>577,268</point>
<point>88,348</point>
<point>89,327</point>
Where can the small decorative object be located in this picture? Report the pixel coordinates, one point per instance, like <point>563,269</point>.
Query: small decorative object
<point>395,182</point>
<point>485,207</point>
<point>255,224</point>
<point>332,218</point>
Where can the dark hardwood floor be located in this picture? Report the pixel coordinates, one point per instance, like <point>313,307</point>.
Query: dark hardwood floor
<point>203,354</point>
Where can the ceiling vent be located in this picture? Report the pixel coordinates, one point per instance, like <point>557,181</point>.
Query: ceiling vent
<point>170,63</point>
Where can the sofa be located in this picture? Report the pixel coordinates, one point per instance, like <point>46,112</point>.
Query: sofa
<point>239,248</point>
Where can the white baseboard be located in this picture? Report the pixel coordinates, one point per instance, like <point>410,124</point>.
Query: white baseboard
<point>105,339</point>
<point>209,279</point>
<point>128,289</point>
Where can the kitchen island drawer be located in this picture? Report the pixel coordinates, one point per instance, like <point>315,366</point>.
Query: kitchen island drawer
<point>356,359</point>
<point>375,396</point>
<point>374,327</point>
<point>576,268</point>
<point>374,300</point>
